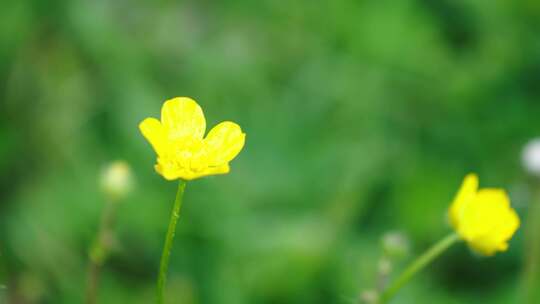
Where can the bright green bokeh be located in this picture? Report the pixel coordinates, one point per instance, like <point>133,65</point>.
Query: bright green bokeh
<point>361,117</point>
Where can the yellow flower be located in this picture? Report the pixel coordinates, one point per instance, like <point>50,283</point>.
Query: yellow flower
<point>483,218</point>
<point>181,150</point>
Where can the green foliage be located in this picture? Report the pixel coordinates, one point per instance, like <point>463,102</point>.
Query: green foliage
<point>361,117</point>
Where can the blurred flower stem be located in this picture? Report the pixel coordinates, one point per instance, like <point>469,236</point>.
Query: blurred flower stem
<point>115,182</point>
<point>417,265</point>
<point>532,248</point>
<point>164,264</point>
<point>100,250</point>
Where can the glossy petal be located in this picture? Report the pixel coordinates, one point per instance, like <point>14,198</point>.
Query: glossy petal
<point>466,193</point>
<point>156,135</point>
<point>223,143</point>
<point>183,117</point>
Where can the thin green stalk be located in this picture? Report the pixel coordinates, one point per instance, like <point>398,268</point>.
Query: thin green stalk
<point>532,249</point>
<point>418,265</point>
<point>100,250</point>
<point>164,264</point>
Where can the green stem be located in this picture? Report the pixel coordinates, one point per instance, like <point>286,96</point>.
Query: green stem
<point>164,264</point>
<point>532,249</point>
<point>100,250</point>
<point>418,265</point>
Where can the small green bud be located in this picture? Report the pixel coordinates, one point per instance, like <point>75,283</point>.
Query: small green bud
<point>395,244</point>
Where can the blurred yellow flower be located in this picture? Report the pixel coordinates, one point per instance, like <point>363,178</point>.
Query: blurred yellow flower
<point>178,141</point>
<point>483,218</point>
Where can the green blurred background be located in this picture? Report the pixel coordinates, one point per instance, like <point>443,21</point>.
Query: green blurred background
<point>361,117</point>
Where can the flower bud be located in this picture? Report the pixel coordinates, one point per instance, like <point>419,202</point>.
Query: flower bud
<point>116,180</point>
<point>395,244</point>
<point>369,297</point>
<point>484,218</point>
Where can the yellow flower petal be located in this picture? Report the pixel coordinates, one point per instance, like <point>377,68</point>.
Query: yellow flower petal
<point>495,222</point>
<point>183,117</point>
<point>168,171</point>
<point>154,132</point>
<point>497,239</point>
<point>465,194</point>
<point>484,213</point>
<point>178,141</point>
<point>171,173</point>
<point>223,169</point>
<point>223,143</point>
